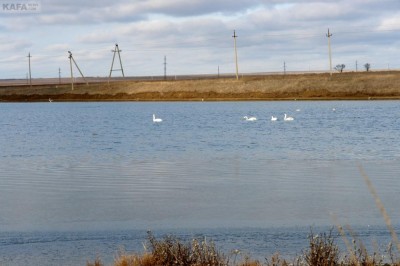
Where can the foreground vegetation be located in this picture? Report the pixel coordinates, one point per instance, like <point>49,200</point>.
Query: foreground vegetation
<point>349,85</point>
<point>322,251</point>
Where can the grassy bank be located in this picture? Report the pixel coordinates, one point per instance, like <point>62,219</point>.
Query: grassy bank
<point>360,85</point>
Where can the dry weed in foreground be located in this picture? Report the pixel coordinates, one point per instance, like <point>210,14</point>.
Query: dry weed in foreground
<point>322,251</point>
<point>381,208</point>
<point>97,262</point>
<point>135,260</point>
<point>171,251</point>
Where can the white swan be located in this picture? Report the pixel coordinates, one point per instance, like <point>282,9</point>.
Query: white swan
<point>156,120</point>
<point>251,118</point>
<point>274,118</point>
<point>288,118</point>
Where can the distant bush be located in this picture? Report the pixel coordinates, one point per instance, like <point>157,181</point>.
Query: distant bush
<point>340,67</point>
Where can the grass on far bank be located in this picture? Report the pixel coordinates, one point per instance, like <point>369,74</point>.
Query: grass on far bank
<point>349,85</point>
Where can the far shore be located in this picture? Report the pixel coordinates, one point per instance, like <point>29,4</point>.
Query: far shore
<point>341,86</point>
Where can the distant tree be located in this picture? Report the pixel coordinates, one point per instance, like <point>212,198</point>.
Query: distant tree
<point>340,67</point>
<point>367,66</point>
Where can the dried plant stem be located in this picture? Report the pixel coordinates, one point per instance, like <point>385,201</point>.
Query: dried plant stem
<point>349,248</point>
<point>381,208</point>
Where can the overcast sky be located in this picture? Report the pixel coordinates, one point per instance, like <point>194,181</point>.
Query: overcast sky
<point>196,36</point>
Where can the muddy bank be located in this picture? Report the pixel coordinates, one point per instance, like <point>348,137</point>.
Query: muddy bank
<point>373,85</point>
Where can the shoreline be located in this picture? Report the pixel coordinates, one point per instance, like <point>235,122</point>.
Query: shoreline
<point>383,85</point>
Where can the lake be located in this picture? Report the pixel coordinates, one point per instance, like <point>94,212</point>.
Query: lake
<point>82,179</point>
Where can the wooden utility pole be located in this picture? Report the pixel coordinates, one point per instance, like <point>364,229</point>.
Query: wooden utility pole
<point>71,59</point>
<point>72,73</point>
<point>30,76</point>
<point>330,54</point>
<point>165,67</point>
<point>284,68</point>
<point>115,51</point>
<point>59,76</point>
<point>236,59</point>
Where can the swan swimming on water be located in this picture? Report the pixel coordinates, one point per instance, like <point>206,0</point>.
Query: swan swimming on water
<point>274,118</point>
<point>288,118</point>
<point>251,118</point>
<point>156,120</point>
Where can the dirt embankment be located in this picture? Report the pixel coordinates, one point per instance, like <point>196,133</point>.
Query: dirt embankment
<point>372,85</point>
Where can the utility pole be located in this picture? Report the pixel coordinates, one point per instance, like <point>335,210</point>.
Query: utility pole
<point>72,73</point>
<point>71,59</point>
<point>236,59</point>
<point>59,76</point>
<point>116,50</point>
<point>165,67</point>
<point>356,65</point>
<point>330,54</point>
<point>284,68</point>
<point>218,71</point>
<point>30,76</point>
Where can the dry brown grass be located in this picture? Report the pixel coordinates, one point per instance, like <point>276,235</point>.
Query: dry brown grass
<point>145,259</point>
<point>348,85</point>
<point>171,251</point>
<point>322,251</point>
<point>97,262</point>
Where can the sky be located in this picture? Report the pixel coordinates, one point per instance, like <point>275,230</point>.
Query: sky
<point>195,36</point>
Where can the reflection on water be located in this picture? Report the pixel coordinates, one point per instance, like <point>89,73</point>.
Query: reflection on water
<point>90,166</point>
<point>192,193</point>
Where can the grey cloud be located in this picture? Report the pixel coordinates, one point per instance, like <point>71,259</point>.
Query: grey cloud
<point>120,11</point>
<point>184,8</point>
<point>10,44</point>
<point>269,32</point>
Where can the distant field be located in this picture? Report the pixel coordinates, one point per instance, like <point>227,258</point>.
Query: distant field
<point>350,85</point>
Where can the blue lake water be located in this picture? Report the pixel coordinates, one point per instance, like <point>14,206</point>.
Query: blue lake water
<point>82,179</point>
